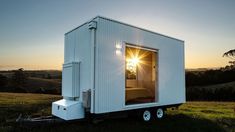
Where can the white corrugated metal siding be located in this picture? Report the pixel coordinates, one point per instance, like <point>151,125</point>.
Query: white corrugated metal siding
<point>110,68</point>
<point>77,48</point>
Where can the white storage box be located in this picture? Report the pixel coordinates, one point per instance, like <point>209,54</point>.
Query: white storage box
<point>68,109</point>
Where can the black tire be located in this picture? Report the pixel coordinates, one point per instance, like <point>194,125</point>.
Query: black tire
<point>146,115</point>
<point>159,113</point>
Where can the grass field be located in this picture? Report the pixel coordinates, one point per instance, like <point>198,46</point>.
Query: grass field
<point>192,116</point>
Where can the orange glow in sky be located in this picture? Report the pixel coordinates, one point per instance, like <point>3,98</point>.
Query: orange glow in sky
<point>32,32</point>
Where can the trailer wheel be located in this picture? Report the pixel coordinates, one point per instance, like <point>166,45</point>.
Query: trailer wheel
<point>146,115</point>
<point>160,113</point>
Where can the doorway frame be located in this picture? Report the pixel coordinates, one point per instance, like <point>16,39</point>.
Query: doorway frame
<point>156,98</point>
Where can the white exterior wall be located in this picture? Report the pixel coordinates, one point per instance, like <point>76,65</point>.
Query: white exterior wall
<point>109,93</point>
<point>110,68</point>
<point>77,48</point>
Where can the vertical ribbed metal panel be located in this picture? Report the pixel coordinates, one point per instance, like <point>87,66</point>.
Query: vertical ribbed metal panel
<point>76,79</point>
<point>82,54</point>
<point>77,49</point>
<point>110,68</point>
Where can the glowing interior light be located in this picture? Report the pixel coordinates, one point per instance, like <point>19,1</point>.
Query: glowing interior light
<point>132,64</point>
<point>135,61</point>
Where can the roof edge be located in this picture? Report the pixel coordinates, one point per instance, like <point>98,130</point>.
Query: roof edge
<point>139,28</point>
<point>102,17</point>
<point>82,24</point>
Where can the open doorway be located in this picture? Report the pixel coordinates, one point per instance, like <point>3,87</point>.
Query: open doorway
<point>141,75</point>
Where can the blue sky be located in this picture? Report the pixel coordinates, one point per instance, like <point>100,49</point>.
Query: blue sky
<point>32,31</point>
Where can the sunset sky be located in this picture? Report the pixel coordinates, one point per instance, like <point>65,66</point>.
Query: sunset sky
<point>32,31</point>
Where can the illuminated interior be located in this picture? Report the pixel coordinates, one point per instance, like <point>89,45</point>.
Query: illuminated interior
<point>141,84</point>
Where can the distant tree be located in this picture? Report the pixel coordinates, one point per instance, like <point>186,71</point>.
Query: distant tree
<point>3,80</point>
<point>19,77</point>
<point>43,75</point>
<point>230,54</point>
<point>48,76</point>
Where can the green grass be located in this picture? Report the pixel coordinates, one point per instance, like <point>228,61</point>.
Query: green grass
<point>34,84</point>
<point>192,116</point>
<point>14,104</point>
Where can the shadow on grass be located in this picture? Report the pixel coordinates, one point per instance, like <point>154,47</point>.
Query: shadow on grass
<point>9,114</point>
<point>176,123</point>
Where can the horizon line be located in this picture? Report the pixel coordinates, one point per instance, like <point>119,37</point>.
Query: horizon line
<point>51,69</point>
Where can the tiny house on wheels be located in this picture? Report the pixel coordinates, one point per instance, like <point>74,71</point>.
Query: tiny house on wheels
<point>110,67</point>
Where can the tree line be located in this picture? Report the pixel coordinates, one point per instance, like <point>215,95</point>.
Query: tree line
<point>196,82</point>
<point>209,77</point>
